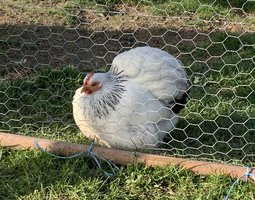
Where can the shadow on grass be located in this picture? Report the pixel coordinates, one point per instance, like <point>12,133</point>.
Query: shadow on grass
<point>245,5</point>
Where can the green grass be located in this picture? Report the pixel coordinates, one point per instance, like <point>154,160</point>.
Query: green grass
<point>218,121</point>
<point>33,175</point>
<point>45,100</point>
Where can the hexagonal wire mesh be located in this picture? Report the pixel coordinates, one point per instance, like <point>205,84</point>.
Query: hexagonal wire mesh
<point>47,49</point>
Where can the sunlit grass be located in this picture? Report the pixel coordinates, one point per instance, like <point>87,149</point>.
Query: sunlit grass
<point>34,175</point>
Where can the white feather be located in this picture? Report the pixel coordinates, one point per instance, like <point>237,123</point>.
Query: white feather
<point>159,72</point>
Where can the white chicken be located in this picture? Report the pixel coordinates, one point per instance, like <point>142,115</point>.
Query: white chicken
<point>136,103</point>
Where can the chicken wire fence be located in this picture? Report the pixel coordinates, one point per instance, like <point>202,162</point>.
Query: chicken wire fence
<point>47,48</point>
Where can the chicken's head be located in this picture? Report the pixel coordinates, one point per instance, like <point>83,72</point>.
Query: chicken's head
<point>93,83</point>
<point>90,85</point>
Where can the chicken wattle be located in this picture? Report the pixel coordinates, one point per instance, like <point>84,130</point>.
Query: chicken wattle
<point>136,103</point>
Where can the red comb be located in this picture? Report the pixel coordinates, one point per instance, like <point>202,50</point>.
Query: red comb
<point>88,77</point>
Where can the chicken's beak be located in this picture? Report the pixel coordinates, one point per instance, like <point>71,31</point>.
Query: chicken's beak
<point>85,88</point>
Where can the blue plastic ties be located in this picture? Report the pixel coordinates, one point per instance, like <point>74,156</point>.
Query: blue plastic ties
<point>113,167</point>
<point>56,156</point>
<point>247,174</point>
<point>90,153</point>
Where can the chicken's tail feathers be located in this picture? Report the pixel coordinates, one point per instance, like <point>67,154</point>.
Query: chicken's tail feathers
<point>178,104</point>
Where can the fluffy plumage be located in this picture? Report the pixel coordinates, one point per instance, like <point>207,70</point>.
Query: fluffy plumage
<point>136,103</point>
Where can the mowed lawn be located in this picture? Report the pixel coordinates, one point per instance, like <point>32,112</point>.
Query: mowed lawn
<point>217,124</point>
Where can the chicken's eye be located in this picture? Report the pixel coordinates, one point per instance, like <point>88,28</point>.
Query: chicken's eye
<point>94,84</point>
